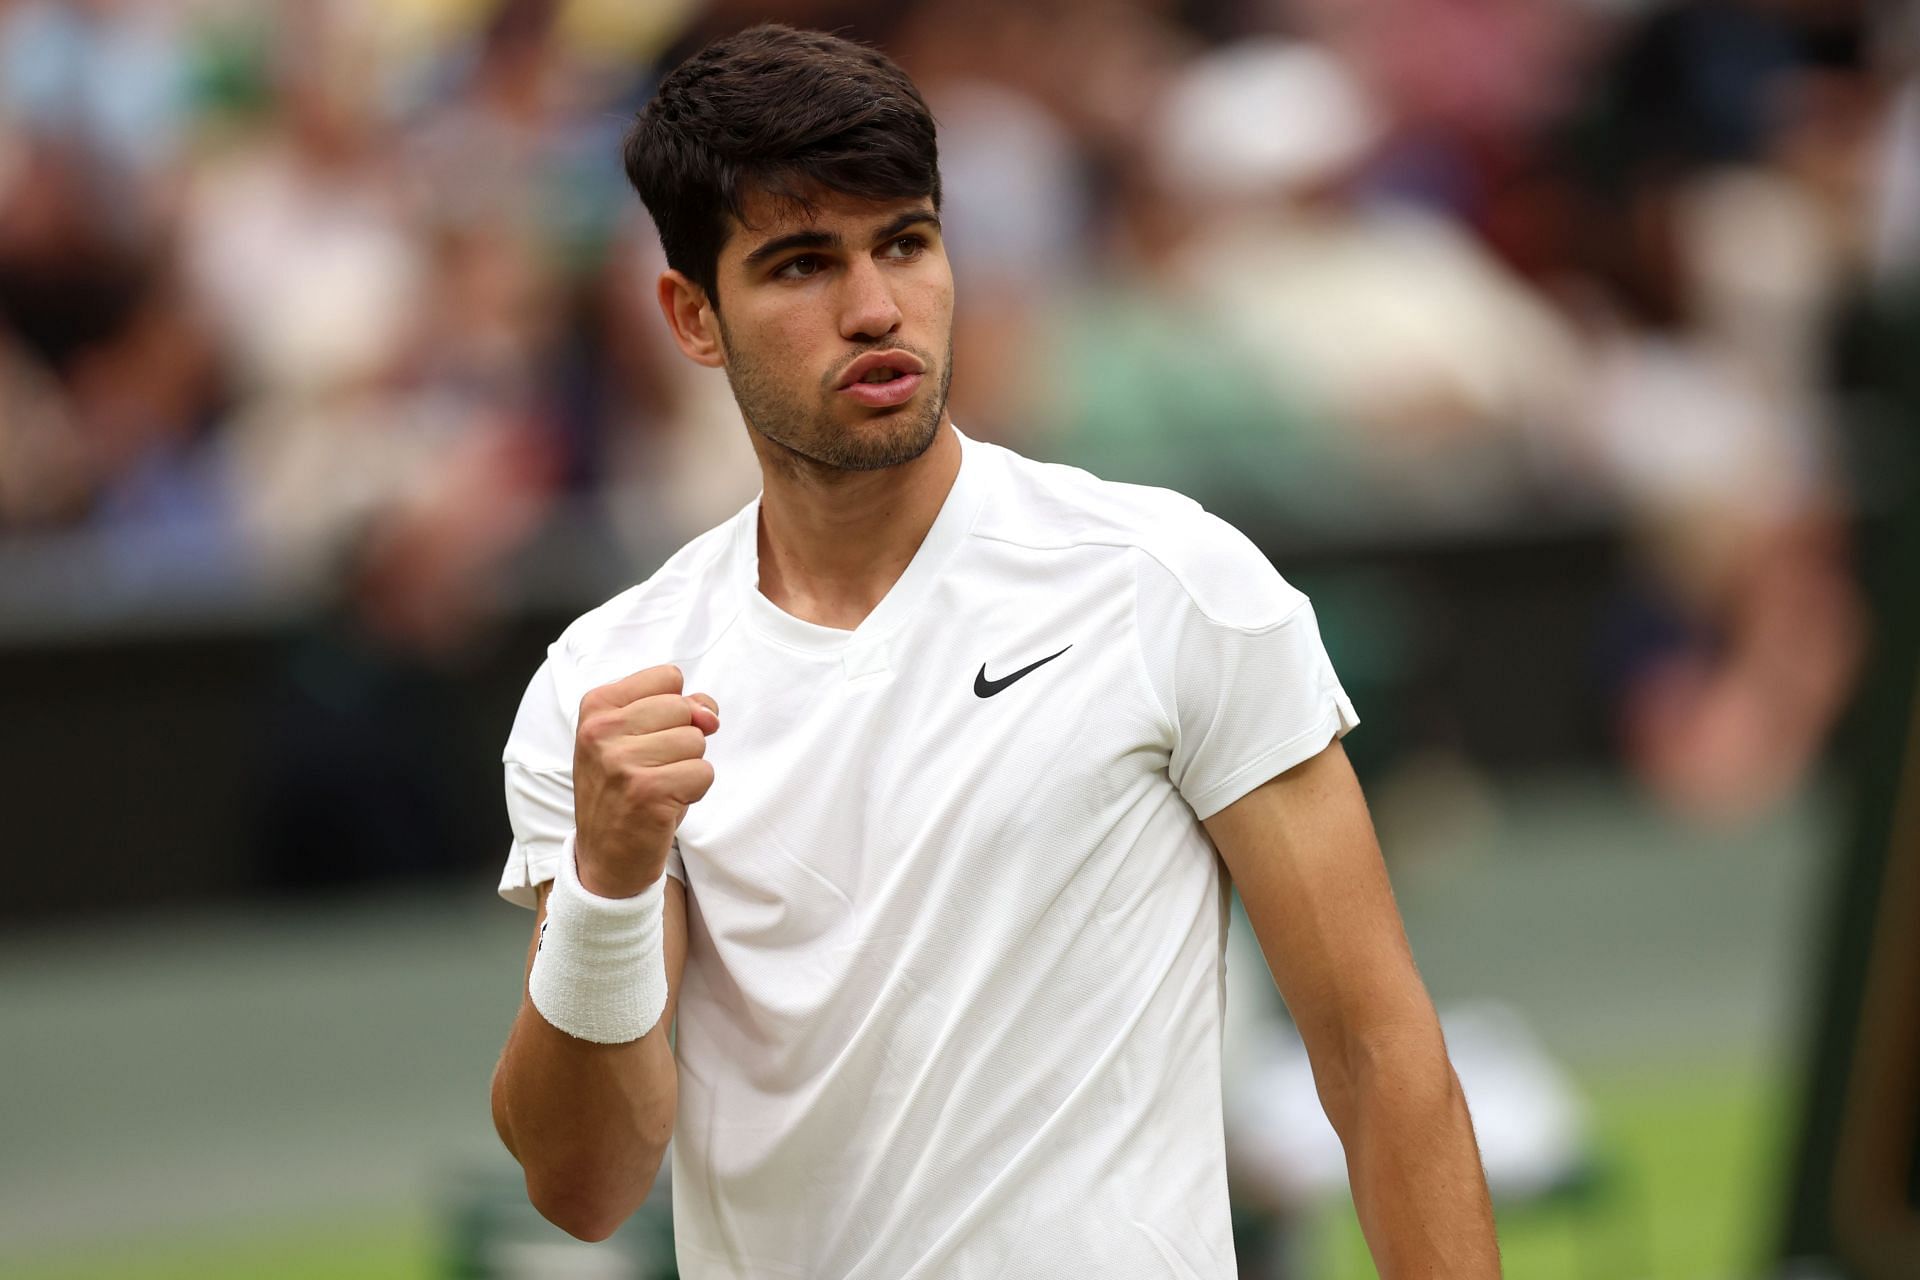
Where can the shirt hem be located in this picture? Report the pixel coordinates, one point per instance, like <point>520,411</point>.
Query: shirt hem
<point>1336,722</point>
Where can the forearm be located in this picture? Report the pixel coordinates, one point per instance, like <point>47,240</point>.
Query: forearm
<point>585,1092</point>
<point>1413,1164</point>
<point>588,1122</point>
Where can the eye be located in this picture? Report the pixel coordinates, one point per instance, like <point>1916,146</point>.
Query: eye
<point>798,268</point>
<point>906,246</point>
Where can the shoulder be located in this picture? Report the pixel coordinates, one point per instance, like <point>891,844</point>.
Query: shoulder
<point>1183,554</point>
<point>1046,505</point>
<point>677,613</point>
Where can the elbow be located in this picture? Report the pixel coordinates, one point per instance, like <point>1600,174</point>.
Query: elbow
<point>587,1194</point>
<point>588,1209</point>
<point>1407,1064</point>
<point>580,1217</point>
<point>587,1169</point>
<point>1415,1046</point>
<point>584,1217</point>
<point>1411,1061</point>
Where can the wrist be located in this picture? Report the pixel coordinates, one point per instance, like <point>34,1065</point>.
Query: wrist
<point>599,969</point>
<point>625,878</point>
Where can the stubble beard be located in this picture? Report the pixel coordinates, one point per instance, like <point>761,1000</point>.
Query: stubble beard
<point>813,441</point>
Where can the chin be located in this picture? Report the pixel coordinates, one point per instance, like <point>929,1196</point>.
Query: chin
<point>887,438</point>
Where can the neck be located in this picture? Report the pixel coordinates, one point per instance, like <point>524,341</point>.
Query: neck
<point>832,543</point>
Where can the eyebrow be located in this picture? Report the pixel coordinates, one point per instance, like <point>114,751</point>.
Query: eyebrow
<point>829,240</point>
<point>912,217</point>
<point>797,240</point>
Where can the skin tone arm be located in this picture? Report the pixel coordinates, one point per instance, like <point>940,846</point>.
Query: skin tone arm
<point>1302,852</point>
<point>589,1123</point>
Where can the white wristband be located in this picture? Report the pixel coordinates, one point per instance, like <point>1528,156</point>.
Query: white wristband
<point>600,970</point>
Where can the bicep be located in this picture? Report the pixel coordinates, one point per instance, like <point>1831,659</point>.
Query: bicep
<point>673,938</point>
<point>1302,852</point>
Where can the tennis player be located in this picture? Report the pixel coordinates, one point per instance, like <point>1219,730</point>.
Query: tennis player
<point>913,791</point>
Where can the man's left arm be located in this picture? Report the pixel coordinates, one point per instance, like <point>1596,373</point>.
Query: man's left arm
<point>1301,849</point>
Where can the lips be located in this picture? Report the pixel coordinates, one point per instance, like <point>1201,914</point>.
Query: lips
<point>884,395</point>
<point>883,379</point>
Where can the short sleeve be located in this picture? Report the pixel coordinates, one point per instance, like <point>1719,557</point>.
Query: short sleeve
<point>539,775</point>
<point>1235,659</point>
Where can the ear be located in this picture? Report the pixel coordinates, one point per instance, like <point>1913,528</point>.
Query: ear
<point>691,319</point>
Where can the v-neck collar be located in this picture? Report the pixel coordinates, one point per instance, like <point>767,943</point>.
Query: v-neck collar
<point>865,642</point>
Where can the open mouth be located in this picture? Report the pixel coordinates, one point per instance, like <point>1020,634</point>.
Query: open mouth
<point>883,379</point>
<point>884,393</point>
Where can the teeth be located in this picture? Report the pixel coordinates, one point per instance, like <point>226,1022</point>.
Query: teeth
<point>880,375</point>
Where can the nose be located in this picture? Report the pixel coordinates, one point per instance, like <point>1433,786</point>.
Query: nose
<point>868,311</point>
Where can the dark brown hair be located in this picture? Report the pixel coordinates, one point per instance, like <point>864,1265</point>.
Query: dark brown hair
<point>787,112</point>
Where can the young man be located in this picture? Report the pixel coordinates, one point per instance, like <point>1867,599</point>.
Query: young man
<point>939,910</point>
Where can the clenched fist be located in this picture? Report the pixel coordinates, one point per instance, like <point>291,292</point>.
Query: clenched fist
<point>637,764</point>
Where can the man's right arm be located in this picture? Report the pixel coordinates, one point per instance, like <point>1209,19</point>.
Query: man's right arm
<point>587,1114</point>
<point>589,1122</point>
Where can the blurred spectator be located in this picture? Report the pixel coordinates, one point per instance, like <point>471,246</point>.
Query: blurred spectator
<point>1418,352</point>
<point>521,145</point>
<point>1733,164</point>
<point>365,747</point>
<point>1896,223</point>
<point>106,83</point>
<point>43,471</point>
<point>293,236</point>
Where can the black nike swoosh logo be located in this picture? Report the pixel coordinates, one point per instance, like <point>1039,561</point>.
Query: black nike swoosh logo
<point>985,688</point>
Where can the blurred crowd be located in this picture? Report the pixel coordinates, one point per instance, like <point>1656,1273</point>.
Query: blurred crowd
<point>350,296</point>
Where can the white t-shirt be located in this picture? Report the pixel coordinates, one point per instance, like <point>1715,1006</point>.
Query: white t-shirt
<point>952,1001</point>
